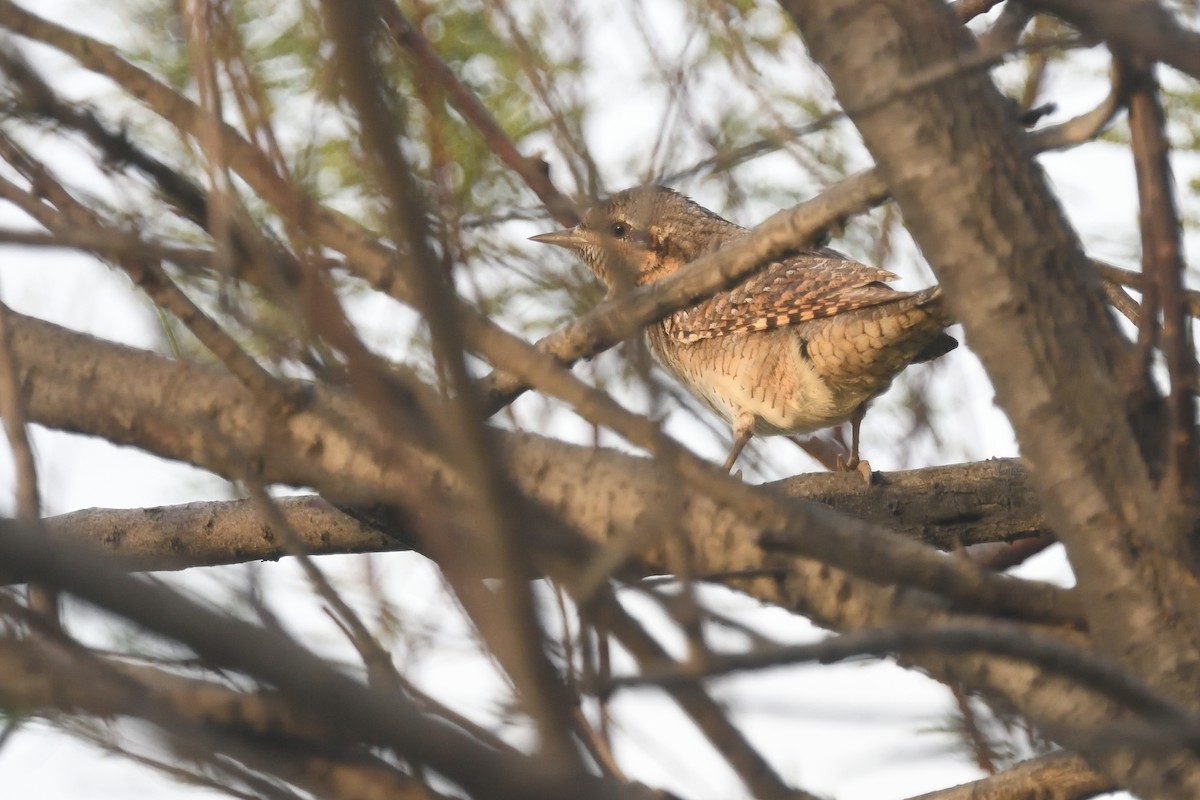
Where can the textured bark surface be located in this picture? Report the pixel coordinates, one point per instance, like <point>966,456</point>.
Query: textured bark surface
<point>947,507</point>
<point>1053,777</point>
<point>633,506</point>
<point>1014,272</point>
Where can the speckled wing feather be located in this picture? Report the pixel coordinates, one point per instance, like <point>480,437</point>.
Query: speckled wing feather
<point>805,287</point>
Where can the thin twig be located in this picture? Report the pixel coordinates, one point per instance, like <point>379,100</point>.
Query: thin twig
<point>29,503</point>
<point>533,171</point>
<point>984,757</point>
<point>109,243</point>
<point>1051,653</point>
<point>1162,263</point>
<point>758,775</point>
<point>341,701</point>
<point>785,232</point>
<point>513,630</point>
<point>197,18</point>
<point>1063,776</point>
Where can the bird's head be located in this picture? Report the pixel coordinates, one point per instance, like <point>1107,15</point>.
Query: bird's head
<point>641,235</point>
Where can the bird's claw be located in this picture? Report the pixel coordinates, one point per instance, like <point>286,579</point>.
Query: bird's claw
<point>855,464</point>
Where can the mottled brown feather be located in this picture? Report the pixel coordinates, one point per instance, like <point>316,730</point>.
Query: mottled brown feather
<point>808,286</point>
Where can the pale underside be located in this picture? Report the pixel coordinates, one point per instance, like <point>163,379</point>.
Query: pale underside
<point>801,377</point>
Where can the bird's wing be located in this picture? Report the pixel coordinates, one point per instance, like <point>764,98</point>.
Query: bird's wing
<point>808,286</point>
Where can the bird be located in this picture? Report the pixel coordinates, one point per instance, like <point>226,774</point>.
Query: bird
<point>804,344</point>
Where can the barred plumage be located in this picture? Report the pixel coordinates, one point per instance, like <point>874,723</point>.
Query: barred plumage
<point>804,344</point>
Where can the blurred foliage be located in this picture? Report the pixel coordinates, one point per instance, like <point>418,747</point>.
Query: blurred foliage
<point>534,64</point>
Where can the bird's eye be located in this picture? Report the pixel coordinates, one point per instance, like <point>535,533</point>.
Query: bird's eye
<point>619,230</point>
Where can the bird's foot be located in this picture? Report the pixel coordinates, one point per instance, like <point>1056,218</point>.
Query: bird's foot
<point>855,464</point>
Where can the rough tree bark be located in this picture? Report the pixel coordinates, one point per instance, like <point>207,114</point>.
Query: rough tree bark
<point>1013,270</point>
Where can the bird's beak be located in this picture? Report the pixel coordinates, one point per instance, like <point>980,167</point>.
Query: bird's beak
<point>570,238</point>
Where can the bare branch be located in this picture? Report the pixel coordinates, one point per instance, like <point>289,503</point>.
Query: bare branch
<point>785,232</point>
<point>534,171</point>
<point>1054,777</point>
<point>379,718</point>
<point>1050,653</point>
<point>1034,316</point>
<point>1162,264</point>
<point>512,626</point>
<point>1143,27</point>
<point>947,507</point>
<point>124,411</point>
<point>219,532</point>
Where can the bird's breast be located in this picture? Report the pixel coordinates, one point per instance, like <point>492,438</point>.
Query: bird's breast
<point>767,374</point>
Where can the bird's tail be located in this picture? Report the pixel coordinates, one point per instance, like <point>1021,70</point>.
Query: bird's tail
<point>930,301</point>
<point>861,352</point>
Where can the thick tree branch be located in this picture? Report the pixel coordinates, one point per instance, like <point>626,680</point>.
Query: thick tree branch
<point>1144,27</point>
<point>1013,271</point>
<point>946,507</point>
<point>1058,776</point>
<point>86,385</point>
<point>218,532</point>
